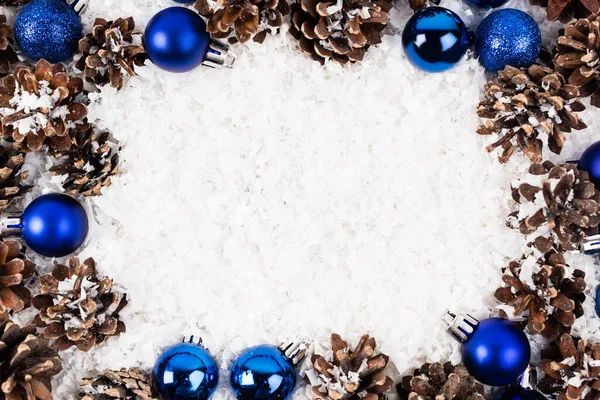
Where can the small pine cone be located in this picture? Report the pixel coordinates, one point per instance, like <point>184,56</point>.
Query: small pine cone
<point>350,374</point>
<point>571,368</point>
<point>8,56</point>
<point>14,268</point>
<point>437,381</point>
<point>11,176</point>
<point>545,290</point>
<point>565,10</point>
<point>76,307</point>
<point>27,363</point>
<point>243,19</point>
<point>558,207</point>
<point>524,104</point>
<point>89,165</point>
<point>342,31</point>
<point>59,110</point>
<point>112,49</point>
<point>130,384</point>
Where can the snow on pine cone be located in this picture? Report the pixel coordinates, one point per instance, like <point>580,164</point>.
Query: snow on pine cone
<point>440,381</point>
<point>43,106</point>
<point>77,308</point>
<point>126,384</point>
<point>528,109</point>
<point>565,10</point>
<point>342,30</point>
<point>547,291</point>
<point>12,177</point>
<point>558,207</point>
<point>8,55</point>
<point>350,374</point>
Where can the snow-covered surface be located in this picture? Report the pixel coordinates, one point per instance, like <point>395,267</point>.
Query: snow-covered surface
<point>282,199</point>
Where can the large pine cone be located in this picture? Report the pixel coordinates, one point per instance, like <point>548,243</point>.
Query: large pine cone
<point>27,363</point>
<point>577,57</point>
<point>246,19</point>
<point>437,381</point>
<point>11,176</point>
<point>565,10</point>
<point>131,384</point>
<point>351,374</point>
<point>58,112</point>
<point>76,307</point>
<point>14,267</point>
<point>89,165</point>
<point>112,49</point>
<point>546,291</point>
<point>525,104</point>
<point>341,30</point>
<point>8,56</point>
<point>558,207</point>
<point>572,369</point>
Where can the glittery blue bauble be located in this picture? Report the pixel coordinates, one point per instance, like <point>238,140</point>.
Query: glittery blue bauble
<point>487,3</point>
<point>520,393</point>
<point>262,373</point>
<point>48,29</point>
<point>176,39</point>
<point>54,225</point>
<point>185,372</point>
<point>507,37</point>
<point>590,162</point>
<point>435,39</point>
<point>497,352</point>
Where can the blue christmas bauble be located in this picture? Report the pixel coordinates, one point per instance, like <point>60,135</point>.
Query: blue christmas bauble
<point>435,39</point>
<point>262,373</point>
<point>48,29</point>
<point>520,393</point>
<point>185,371</point>
<point>497,352</point>
<point>176,39</point>
<point>507,37</point>
<point>590,162</point>
<point>54,225</point>
<point>487,3</point>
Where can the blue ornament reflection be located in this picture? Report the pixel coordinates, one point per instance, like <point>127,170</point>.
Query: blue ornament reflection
<point>262,373</point>
<point>185,371</point>
<point>435,39</point>
<point>487,3</point>
<point>176,39</point>
<point>507,37</point>
<point>497,352</point>
<point>54,225</point>
<point>520,393</point>
<point>590,162</point>
<point>48,29</point>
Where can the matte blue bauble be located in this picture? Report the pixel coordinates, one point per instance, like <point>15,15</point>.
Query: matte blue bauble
<point>497,352</point>
<point>262,373</point>
<point>185,371</point>
<point>54,225</point>
<point>176,39</point>
<point>435,39</point>
<point>487,3</point>
<point>48,29</point>
<point>520,393</point>
<point>507,37</point>
<point>590,162</point>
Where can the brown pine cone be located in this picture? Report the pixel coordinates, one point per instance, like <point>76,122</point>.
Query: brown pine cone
<point>130,384</point>
<point>565,10</point>
<point>77,308</point>
<point>14,267</point>
<point>112,49</point>
<point>13,3</point>
<point>437,381</point>
<point>89,165</point>
<point>418,5</point>
<point>350,374</point>
<point>8,56</point>
<point>11,176</point>
<point>342,31</point>
<point>558,207</point>
<point>525,104</point>
<point>547,291</point>
<point>571,368</point>
<point>246,20</point>
<point>42,104</point>
<point>27,363</point>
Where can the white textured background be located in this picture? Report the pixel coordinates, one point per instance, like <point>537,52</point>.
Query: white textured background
<point>282,199</point>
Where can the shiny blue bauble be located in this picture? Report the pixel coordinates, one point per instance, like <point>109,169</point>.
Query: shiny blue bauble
<point>520,393</point>
<point>54,225</point>
<point>185,371</point>
<point>487,3</point>
<point>262,373</point>
<point>48,29</point>
<point>590,162</point>
<point>435,39</point>
<point>176,39</point>
<point>507,37</point>
<point>497,352</point>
